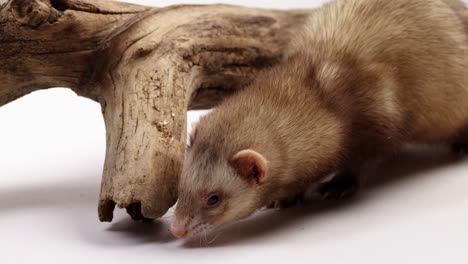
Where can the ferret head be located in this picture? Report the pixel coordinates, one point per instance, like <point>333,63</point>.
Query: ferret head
<point>260,145</point>
<point>217,188</point>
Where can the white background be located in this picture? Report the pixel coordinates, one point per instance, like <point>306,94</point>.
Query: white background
<point>52,146</point>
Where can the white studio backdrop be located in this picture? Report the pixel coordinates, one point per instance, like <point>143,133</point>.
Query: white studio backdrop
<point>52,147</point>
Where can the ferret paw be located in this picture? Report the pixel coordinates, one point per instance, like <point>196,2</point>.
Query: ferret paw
<point>287,203</point>
<point>340,187</point>
<point>460,148</point>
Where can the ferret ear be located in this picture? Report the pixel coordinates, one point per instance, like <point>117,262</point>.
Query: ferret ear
<point>251,165</point>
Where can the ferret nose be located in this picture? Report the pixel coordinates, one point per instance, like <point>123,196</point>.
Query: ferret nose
<point>178,230</point>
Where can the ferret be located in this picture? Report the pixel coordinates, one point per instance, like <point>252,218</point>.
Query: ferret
<point>360,80</point>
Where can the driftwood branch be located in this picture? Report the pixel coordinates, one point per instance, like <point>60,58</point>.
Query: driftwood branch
<point>146,67</point>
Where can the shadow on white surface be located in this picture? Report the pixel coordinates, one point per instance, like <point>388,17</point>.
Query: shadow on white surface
<point>146,232</point>
<point>48,195</point>
<point>74,204</point>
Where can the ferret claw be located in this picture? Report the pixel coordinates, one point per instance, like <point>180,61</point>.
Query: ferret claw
<point>288,203</point>
<point>339,188</point>
<point>460,148</point>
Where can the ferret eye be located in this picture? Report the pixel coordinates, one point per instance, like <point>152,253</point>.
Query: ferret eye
<point>213,200</point>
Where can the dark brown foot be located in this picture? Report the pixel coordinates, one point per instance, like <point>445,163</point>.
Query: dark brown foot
<point>342,186</point>
<point>287,203</point>
<point>460,148</point>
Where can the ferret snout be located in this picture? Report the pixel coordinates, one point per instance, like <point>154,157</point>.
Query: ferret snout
<point>179,229</point>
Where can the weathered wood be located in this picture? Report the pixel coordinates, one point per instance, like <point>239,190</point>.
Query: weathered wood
<point>146,67</point>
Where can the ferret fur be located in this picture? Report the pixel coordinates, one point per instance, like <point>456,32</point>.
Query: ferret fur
<point>362,78</point>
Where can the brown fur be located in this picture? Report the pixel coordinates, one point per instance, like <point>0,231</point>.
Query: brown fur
<point>363,78</point>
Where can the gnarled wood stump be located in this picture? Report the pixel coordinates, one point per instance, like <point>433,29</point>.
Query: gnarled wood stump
<point>146,67</point>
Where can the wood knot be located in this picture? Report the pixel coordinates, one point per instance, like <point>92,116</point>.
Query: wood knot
<point>32,12</point>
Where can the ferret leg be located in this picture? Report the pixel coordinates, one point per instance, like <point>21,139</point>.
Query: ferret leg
<point>344,185</point>
<point>460,144</point>
<point>287,203</point>
<point>460,147</point>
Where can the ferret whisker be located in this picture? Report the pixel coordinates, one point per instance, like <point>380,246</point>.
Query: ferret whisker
<point>205,233</point>
<point>215,237</point>
<point>200,241</point>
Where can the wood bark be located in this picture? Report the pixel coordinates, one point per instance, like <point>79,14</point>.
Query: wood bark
<point>146,67</point>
